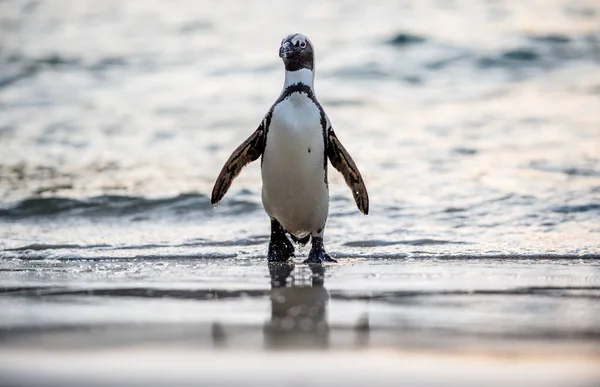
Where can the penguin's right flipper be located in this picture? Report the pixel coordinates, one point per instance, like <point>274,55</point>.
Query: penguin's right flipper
<point>250,150</point>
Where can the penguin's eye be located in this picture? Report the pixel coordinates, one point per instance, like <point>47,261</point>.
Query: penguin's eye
<point>302,44</point>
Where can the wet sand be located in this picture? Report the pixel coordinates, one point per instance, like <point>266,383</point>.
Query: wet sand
<point>430,321</point>
<point>167,366</point>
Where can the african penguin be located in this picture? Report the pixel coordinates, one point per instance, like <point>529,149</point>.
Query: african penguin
<point>295,140</point>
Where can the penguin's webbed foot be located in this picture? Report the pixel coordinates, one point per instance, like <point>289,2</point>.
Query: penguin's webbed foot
<point>319,258</point>
<point>317,254</point>
<point>280,247</point>
<point>280,250</point>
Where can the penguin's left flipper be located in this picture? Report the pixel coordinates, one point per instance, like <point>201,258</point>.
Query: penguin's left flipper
<point>341,160</point>
<point>248,151</point>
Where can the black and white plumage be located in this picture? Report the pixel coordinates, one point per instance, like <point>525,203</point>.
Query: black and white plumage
<point>295,140</point>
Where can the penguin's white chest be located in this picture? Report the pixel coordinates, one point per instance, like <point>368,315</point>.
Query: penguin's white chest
<point>293,169</point>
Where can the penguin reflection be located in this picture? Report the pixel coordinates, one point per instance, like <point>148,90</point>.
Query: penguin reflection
<point>298,307</point>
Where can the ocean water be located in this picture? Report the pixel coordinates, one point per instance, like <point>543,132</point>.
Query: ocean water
<point>476,127</point>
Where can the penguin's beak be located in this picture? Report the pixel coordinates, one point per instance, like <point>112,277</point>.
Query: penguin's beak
<point>286,49</point>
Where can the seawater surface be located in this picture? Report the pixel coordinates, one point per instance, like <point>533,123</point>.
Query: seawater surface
<point>476,127</point>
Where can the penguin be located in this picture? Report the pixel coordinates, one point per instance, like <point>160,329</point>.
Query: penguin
<point>295,140</point>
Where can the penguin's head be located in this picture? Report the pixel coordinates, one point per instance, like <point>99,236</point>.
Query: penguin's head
<point>297,52</point>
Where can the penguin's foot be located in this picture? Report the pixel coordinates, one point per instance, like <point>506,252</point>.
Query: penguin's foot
<point>319,258</point>
<point>280,250</point>
<point>317,254</point>
<point>280,247</point>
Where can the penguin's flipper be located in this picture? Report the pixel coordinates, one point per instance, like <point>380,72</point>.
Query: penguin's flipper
<point>250,150</point>
<point>341,160</point>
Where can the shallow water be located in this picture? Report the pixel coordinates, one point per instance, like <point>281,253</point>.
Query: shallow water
<point>475,125</point>
<point>492,321</point>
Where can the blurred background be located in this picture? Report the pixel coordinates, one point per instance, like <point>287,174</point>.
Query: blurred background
<point>475,124</point>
